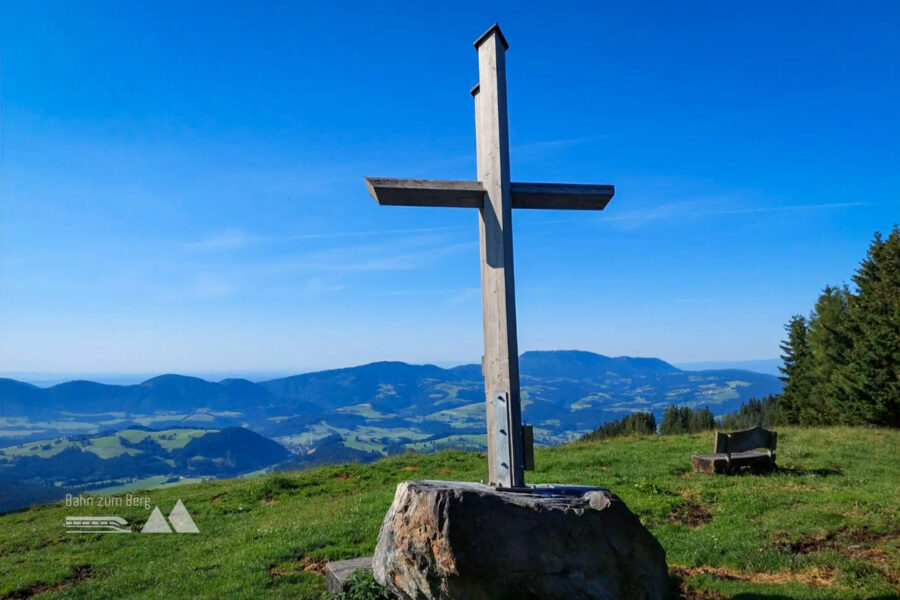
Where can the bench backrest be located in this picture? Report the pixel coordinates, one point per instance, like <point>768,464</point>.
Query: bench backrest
<point>748,439</point>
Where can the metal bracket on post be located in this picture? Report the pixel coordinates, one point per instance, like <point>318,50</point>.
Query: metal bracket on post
<point>528,447</point>
<point>500,435</point>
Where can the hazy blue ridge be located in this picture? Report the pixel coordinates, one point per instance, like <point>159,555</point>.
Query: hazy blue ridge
<point>79,435</point>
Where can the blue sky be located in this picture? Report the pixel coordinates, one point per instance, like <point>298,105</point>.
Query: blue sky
<point>182,185</point>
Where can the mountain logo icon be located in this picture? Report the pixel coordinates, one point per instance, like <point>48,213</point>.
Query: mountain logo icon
<point>179,517</point>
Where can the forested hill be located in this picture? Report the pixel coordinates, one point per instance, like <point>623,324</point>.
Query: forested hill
<point>564,392</point>
<point>40,471</point>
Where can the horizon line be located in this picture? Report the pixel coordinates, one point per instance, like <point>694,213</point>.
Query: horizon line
<point>51,378</point>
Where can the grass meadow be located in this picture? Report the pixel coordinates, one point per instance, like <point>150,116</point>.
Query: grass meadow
<point>826,525</point>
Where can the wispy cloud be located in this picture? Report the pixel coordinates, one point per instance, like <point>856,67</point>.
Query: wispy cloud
<point>317,270</point>
<point>210,286</point>
<point>452,296</point>
<point>698,210</point>
<point>393,255</point>
<point>229,239</point>
<point>769,209</point>
<point>201,286</point>
<point>553,144</point>
<point>321,285</point>
<point>535,150</point>
<point>464,296</point>
<point>689,210</point>
<point>223,240</point>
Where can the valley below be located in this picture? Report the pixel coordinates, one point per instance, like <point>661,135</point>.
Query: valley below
<point>81,436</point>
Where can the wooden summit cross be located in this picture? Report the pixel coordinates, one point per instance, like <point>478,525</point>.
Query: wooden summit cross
<point>495,196</point>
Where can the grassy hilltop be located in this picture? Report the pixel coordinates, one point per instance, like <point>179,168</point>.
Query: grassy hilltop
<point>826,526</point>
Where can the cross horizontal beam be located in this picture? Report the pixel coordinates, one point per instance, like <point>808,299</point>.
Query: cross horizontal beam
<point>568,196</point>
<point>426,192</point>
<point>470,194</point>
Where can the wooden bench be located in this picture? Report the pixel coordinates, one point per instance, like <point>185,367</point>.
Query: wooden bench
<point>738,450</point>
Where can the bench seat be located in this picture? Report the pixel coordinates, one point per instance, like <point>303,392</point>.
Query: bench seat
<point>718,463</point>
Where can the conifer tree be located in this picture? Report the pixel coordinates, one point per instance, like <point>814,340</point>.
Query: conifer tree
<point>798,372</point>
<point>753,413</point>
<point>638,423</point>
<point>683,419</point>
<point>830,345</point>
<point>869,382</point>
<point>671,422</point>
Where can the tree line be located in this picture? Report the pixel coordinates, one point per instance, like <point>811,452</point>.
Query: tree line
<point>684,419</point>
<point>676,419</point>
<point>639,423</point>
<point>842,363</point>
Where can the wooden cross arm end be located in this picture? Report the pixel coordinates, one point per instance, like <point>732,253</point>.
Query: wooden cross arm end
<point>426,192</point>
<point>470,194</point>
<point>563,196</point>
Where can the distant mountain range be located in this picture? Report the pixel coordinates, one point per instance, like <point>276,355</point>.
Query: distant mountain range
<point>383,406</point>
<point>770,366</point>
<point>82,434</point>
<point>163,393</point>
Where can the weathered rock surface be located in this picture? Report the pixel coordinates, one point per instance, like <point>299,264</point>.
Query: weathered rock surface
<point>467,541</point>
<point>337,572</point>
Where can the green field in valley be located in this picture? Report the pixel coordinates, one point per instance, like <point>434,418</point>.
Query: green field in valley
<point>827,525</point>
<point>147,483</point>
<point>107,446</point>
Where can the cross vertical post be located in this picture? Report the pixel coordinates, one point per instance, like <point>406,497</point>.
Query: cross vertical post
<point>495,196</point>
<point>501,354</point>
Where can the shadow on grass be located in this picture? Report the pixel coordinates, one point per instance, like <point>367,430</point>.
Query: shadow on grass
<point>678,590</point>
<point>829,472</point>
<point>795,471</point>
<point>755,596</point>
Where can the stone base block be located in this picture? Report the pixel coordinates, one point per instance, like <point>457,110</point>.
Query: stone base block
<point>467,541</point>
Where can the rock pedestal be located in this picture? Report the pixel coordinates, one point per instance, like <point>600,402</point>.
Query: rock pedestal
<point>467,541</point>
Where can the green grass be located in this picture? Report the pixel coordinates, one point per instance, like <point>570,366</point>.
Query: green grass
<point>826,526</point>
